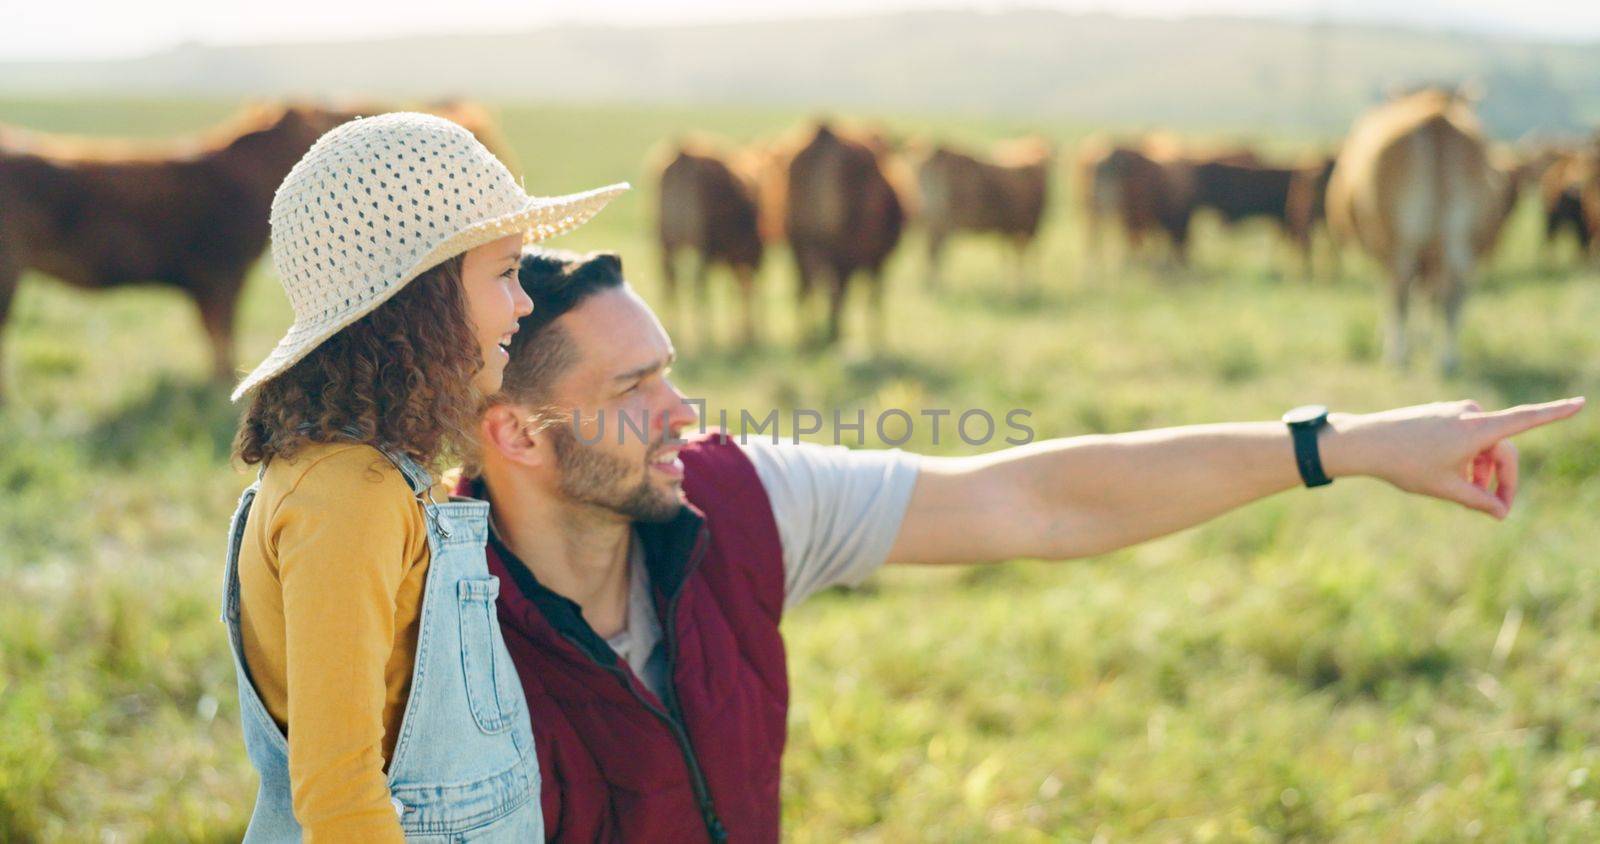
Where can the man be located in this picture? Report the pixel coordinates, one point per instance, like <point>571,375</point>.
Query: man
<point>643,578</point>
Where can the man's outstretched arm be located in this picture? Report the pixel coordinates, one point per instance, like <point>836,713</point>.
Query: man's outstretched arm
<point>1088,495</point>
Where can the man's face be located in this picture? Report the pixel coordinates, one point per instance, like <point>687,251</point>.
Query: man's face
<point>619,456</point>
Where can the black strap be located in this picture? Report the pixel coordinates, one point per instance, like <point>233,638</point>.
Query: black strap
<point>1307,456</point>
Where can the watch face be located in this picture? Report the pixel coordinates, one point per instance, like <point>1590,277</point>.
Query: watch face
<point>1305,413</point>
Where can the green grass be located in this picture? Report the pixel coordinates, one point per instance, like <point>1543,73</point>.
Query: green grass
<point>1347,665</point>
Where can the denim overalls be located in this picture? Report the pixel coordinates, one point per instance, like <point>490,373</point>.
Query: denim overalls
<point>464,767</point>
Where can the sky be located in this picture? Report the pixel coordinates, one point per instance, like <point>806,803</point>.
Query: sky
<point>33,30</point>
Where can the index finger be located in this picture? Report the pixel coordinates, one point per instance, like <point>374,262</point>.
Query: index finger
<point>1515,420</point>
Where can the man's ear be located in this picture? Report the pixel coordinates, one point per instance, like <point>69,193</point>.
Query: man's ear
<point>504,431</point>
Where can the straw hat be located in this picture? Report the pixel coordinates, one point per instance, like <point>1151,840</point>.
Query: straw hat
<point>379,200</point>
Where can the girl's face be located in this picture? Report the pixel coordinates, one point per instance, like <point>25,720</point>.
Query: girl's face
<point>495,301</point>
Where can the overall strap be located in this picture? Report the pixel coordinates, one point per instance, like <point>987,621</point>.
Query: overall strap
<point>421,482</point>
<point>421,486</point>
<point>230,571</point>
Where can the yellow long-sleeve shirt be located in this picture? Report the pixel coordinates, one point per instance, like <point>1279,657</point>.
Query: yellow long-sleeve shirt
<point>331,573</point>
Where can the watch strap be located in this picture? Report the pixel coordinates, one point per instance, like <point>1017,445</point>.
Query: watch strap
<point>1307,456</point>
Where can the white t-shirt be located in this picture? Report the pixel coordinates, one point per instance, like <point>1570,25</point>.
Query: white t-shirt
<point>837,510</point>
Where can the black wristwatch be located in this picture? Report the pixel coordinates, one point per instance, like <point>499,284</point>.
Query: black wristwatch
<point>1304,424</point>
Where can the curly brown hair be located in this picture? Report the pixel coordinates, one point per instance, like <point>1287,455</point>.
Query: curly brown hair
<point>398,378</point>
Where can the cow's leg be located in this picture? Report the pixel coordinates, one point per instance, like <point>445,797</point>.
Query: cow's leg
<point>1178,235</point>
<point>1174,258</point>
<point>1181,242</point>
<point>1552,236</point>
<point>1135,238</point>
<point>699,300</point>
<point>838,286</point>
<point>1450,299</point>
<point>669,288</point>
<point>216,295</point>
<point>10,276</point>
<point>1335,256</point>
<point>1019,249</point>
<point>1091,244</point>
<point>880,317</point>
<point>745,276</point>
<point>1455,267</point>
<point>1030,258</point>
<point>1303,247</point>
<point>935,260</point>
<point>807,268</point>
<point>1402,271</point>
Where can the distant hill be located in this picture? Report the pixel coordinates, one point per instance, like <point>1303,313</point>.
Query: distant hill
<point>1197,73</point>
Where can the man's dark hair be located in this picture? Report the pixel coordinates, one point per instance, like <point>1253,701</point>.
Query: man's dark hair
<point>556,281</point>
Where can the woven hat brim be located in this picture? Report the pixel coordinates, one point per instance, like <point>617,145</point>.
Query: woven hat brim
<point>540,218</point>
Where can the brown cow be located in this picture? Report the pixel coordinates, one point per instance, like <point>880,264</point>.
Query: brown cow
<point>1239,192</point>
<point>963,193</point>
<point>1414,186</point>
<point>1096,195</point>
<point>1148,187</point>
<point>1561,197</point>
<point>842,216</point>
<point>191,215</point>
<point>766,163</point>
<point>709,209</point>
<point>1291,197</point>
<point>1145,195</point>
<point>1587,178</point>
<point>1243,191</point>
<point>1308,211</point>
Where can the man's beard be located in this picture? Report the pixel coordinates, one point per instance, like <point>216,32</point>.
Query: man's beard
<point>591,476</point>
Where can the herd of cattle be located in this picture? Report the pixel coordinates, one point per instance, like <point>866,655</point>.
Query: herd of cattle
<point>1415,185</point>
<point>841,198</point>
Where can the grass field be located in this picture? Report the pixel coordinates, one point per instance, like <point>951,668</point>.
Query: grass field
<point>1345,665</point>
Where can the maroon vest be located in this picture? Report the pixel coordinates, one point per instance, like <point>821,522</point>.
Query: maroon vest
<point>618,763</point>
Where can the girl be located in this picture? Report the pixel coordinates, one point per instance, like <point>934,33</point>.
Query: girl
<point>377,698</point>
